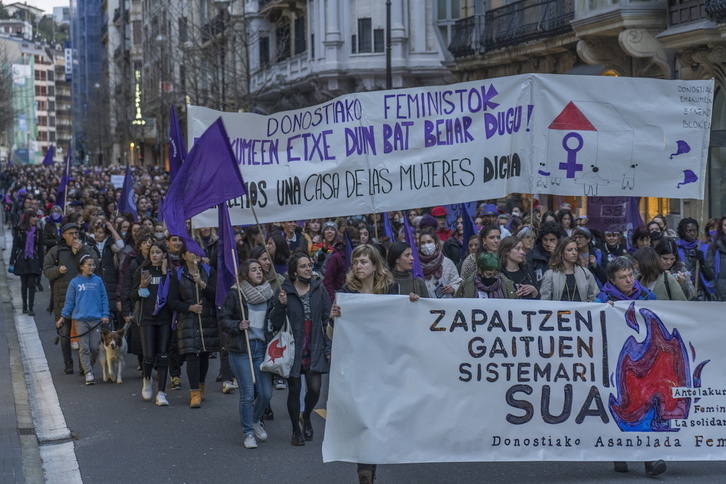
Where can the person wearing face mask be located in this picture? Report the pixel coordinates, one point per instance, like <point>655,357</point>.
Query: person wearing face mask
<point>52,229</point>
<point>442,278</point>
<point>305,302</point>
<point>655,232</point>
<point>105,243</point>
<point>487,282</point>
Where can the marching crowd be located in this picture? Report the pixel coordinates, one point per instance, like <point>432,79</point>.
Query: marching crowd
<point>113,271</point>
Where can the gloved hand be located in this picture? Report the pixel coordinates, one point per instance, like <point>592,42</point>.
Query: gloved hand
<point>11,269</point>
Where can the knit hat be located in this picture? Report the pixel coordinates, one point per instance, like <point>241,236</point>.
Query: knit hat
<point>330,224</point>
<point>69,226</point>
<point>428,221</point>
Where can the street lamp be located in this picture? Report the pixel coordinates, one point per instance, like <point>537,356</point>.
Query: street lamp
<point>97,87</point>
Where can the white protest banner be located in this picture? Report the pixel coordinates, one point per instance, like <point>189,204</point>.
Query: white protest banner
<point>117,181</point>
<point>548,134</point>
<point>454,380</point>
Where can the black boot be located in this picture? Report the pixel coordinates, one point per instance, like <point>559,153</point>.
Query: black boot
<point>655,468</point>
<point>307,427</point>
<point>297,439</point>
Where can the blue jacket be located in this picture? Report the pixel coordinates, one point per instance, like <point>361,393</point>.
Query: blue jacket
<point>86,299</point>
<point>611,293</point>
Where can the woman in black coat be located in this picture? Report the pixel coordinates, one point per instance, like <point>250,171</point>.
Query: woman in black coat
<point>306,304</point>
<point>192,295</point>
<point>27,257</point>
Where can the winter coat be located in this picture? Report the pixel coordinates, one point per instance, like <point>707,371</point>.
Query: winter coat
<point>539,260</point>
<point>336,267</point>
<point>449,276</point>
<point>320,315</point>
<point>408,284</point>
<point>452,249</point>
<point>148,303</point>
<point>51,234</point>
<point>182,295</point>
<point>106,268</point>
<point>673,292</point>
<point>61,255</point>
<point>233,338</point>
<point>126,282</point>
<point>468,289</point>
<point>553,285</point>
<point>22,265</point>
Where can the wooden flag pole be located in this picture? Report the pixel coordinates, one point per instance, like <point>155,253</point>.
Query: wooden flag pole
<point>242,311</point>
<point>199,316</point>
<point>257,221</point>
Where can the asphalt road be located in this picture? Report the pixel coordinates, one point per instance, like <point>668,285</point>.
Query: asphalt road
<point>119,438</point>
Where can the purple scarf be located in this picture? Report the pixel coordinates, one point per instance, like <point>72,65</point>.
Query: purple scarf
<point>494,291</point>
<point>29,243</point>
<point>432,265</point>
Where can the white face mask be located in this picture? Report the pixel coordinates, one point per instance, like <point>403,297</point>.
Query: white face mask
<point>428,249</point>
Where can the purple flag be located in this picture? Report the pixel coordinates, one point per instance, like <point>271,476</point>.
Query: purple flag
<point>348,248</point>
<point>469,229</point>
<point>208,177</point>
<point>226,267</point>
<point>387,230</point>
<point>48,159</point>
<point>177,150</point>
<point>417,270</point>
<point>60,195</point>
<point>634,218</point>
<point>160,210</point>
<point>127,203</point>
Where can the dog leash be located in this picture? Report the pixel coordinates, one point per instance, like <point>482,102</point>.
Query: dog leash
<point>57,330</point>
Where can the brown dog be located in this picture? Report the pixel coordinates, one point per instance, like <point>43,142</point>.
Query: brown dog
<point>111,353</point>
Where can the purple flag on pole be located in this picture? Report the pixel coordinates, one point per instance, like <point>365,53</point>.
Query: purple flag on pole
<point>48,159</point>
<point>387,230</point>
<point>127,203</point>
<point>209,176</point>
<point>417,270</point>
<point>634,218</point>
<point>177,150</point>
<point>469,229</point>
<point>348,248</point>
<point>225,261</point>
<point>60,195</point>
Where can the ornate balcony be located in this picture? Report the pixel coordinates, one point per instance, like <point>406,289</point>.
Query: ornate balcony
<point>512,24</point>
<point>716,10</point>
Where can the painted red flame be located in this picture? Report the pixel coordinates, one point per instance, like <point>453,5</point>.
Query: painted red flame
<point>275,351</point>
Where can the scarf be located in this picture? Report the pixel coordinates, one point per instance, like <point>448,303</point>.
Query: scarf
<point>29,243</point>
<point>613,294</point>
<point>162,293</point>
<point>688,246</point>
<point>432,265</point>
<point>493,291</point>
<point>255,294</point>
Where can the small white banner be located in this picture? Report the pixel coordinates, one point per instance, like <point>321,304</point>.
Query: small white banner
<point>453,380</point>
<point>535,133</point>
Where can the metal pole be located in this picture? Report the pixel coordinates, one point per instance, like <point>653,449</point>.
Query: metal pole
<point>389,78</point>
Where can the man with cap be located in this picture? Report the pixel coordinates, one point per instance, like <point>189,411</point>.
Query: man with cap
<point>60,267</point>
<point>490,215</point>
<point>442,231</point>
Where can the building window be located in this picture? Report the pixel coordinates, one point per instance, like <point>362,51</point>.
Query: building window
<point>51,76</point>
<point>264,51</point>
<point>51,105</point>
<point>138,32</point>
<point>51,90</point>
<point>51,121</point>
<point>42,136</point>
<point>300,35</point>
<point>183,30</point>
<point>379,42</point>
<point>282,35</point>
<point>365,41</point>
<point>51,136</point>
<point>42,106</point>
<point>42,120</point>
<point>312,46</point>
<point>447,13</point>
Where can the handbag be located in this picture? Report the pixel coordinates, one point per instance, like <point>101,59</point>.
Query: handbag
<point>280,352</point>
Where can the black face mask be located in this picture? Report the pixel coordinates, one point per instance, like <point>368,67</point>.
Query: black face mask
<point>488,281</point>
<point>655,235</point>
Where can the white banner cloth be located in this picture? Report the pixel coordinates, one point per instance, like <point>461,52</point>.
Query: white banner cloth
<point>535,133</point>
<point>453,380</point>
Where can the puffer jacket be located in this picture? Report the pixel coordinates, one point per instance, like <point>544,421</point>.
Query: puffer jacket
<point>182,294</point>
<point>232,338</point>
<point>320,315</point>
<point>57,256</point>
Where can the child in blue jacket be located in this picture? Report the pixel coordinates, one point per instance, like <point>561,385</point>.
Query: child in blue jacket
<point>87,304</point>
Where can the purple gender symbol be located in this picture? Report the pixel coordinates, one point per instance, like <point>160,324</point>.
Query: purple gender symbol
<point>571,166</point>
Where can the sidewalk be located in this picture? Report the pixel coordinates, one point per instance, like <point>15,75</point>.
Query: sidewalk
<point>35,442</point>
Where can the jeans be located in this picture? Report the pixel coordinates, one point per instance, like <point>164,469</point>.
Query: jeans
<point>240,364</point>
<point>88,344</point>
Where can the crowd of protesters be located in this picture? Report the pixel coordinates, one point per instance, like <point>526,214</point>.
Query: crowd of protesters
<point>164,296</point>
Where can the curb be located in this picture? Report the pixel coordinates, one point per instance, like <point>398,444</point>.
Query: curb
<point>50,452</point>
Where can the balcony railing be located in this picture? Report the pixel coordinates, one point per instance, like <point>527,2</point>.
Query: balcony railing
<point>212,29</point>
<point>683,12</point>
<point>716,10</point>
<point>512,24</point>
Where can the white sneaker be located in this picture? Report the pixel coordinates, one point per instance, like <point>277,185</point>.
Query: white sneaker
<point>250,442</point>
<point>90,379</point>
<point>228,387</point>
<point>161,400</point>
<point>146,390</point>
<point>259,430</point>
<point>74,345</point>
<point>280,384</point>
